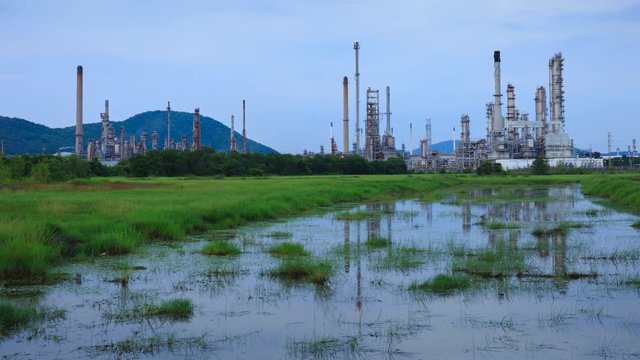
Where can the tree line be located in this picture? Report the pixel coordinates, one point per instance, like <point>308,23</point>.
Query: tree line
<point>205,162</point>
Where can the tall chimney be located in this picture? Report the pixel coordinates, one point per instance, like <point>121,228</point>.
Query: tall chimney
<point>498,121</point>
<point>356,47</point>
<point>196,129</point>
<point>232,139</point>
<point>388,129</point>
<point>244,129</point>
<point>79,139</point>
<point>122,149</point>
<point>345,115</point>
<point>167,144</point>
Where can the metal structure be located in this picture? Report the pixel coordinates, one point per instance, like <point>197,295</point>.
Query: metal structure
<point>232,139</point>
<point>167,142</point>
<point>373,149</point>
<point>345,115</point>
<point>388,141</point>
<point>244,129</point>
<point>196,130</point>
<point>154,140</point>
<point>332,141</point>
<point>356,47</point>
<point>79,134</point>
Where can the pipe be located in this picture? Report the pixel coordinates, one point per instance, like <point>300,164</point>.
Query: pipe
<point>356,47</point>
<point>345,115</point>
<point>79,135</point>
<point>244,130</point>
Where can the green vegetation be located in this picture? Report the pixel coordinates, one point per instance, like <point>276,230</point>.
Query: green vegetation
<point>489,168</point>
<point>303,270</point>
<point>220,248</point>
<point>443,284</point>
<point>13,316</point>
<point>288,249</point>
<point>358,215</point>
<point>539,166</point>
<point>176,309</point>
<point>561,228</point>
<point>402,259</point>
<point>636,224</point>
<point>325,348</point>
<point>280,235</point>
<point>376,242</point>
<point>491,263</point>
<point>497,225</point>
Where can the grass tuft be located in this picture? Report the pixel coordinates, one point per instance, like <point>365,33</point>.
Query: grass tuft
<point>177,309</point>
<point>280,235</point>
<point>636,224</point>
<point>303,270</point>
<point>220,248</point>
<point>376,242</point>
<point>443,284</point>
<point>288,249</point>
<point>13,317</point>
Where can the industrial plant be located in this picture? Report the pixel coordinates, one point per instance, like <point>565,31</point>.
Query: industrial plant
<point>513,141</point>
<point>110,149</point>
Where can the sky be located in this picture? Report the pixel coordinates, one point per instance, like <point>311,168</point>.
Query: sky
<point>288,58</point>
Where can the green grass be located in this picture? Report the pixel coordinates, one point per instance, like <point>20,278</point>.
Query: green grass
<point>636,224</point>
<point>288,249</point>
<point>497,225</point>
<point>220,248</point>
<point>175,309</point>
<point>402,259</point>
<point>492,263</point>
<point>43,224</point>
<point>303,270</point>
<point>13,317</point>
<point>377,242</point>
<point>443,284</point>
<point>358,215</point>
<point>280,235</point>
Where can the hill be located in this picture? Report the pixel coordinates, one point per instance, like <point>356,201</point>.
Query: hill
<point>24,137</point>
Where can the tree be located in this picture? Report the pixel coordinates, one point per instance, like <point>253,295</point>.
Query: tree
<point>539,166</point>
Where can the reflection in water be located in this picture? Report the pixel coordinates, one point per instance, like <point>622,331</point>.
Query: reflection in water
<point>358,276</point>
<point>559,257</point>
<point>466,217</point>
<point>347,250</point>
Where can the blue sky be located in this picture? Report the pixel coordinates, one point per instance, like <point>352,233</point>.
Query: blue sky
<point>287,59</point>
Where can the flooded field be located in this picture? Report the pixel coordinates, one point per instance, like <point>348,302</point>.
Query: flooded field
<point>512,273</point>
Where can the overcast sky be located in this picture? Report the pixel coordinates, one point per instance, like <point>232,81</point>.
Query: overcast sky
<point>287,59</point>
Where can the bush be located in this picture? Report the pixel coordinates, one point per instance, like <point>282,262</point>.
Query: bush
<point>489,168</point>
<point>539,166</point>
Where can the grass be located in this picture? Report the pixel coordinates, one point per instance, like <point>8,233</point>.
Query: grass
<point>280,235</point>
<point>636,224</point>
<point>358,215</point>
<point>377,242</point>
<point>13,317</point>
<point>324,348</point>
<point>401,258</point>
<point>497,225</point>
<point>303,270</point>
<point>492,263</point>
<point>176,309</point>
<point>43,224</point>
<point>562,228</point>
<point>443,284</point>
<point>288,249</point>
<point>220,248</point>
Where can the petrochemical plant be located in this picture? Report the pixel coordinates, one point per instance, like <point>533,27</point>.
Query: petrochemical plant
<point>513,140</point>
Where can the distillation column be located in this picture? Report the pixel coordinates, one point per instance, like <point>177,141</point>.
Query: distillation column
<point>356,47</point>
<point>232,139</point>
<point>196,130</point>
<point>244,129</point>
<point>345,115</point>
<point>498,121</point>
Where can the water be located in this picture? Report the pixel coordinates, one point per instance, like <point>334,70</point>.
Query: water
<point>366,311</point>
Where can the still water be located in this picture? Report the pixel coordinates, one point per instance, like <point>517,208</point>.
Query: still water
<point>366,310</point>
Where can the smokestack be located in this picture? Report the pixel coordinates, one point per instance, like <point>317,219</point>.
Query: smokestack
<point>167,144</point>
<point>79,136</point>
<point>410,140</point>
<point>498,121</point>
<point>453,137</point>
<point>244,130</point>
<point>196,130</point>
<point>122,150</point>
<point>388,129</point>
<point>345,115</point>
<point>232,140</point>
<point>356,47</point>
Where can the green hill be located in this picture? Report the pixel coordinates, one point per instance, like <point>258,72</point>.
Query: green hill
<point>24,137</point>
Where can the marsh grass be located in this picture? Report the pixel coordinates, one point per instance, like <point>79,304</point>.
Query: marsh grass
<point>220,248</point>
<point>176,309</point>
<point>324,348</point>
<point>358,215</point>
<point>13,317</point>
<point>401,258</point>
<point>636,224</point>
<point>377,242</point>
<point>280,235</point>
<point>443,284</point>
<point>303,270</point>
<point>498,225</point>
<point>491,263</point>
<point>288,249</point>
